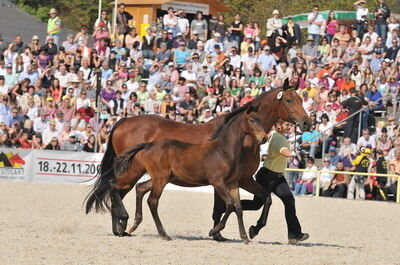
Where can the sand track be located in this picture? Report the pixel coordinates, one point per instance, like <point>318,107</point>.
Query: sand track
<point>45,224</point>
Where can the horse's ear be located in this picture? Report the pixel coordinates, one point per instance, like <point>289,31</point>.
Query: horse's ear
<point>286,84</point>
<point>252,107</point>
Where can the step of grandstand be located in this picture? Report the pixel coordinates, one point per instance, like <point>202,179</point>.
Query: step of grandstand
<point>14,21</point>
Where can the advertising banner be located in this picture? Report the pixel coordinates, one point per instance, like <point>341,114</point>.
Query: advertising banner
<point>14,164</point>
<point>65,167</point>
<point>188,7</point>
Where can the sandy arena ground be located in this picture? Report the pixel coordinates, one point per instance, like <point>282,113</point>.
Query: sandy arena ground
<point>45,224</point>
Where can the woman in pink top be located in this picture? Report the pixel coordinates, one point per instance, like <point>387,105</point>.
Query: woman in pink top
<point>131,38</point>
<point>331,26</point>
<point>100,33</point>
<point>249,30</point>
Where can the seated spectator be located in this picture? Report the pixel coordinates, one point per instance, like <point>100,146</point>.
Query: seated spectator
<point>326,178</point>
<point>89,146</point>
<point>309,141</point>
<point>366,140</point>
<point>338,185</point>
<point>53,144</point>
<point>71,145</point>
<point>306,183</point>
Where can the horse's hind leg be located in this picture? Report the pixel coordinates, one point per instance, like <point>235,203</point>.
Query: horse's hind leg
<point>224,193</point>
<point>123,184</point>
<point>119,215</point>
<point>141,190</point>
<point>154,197</point>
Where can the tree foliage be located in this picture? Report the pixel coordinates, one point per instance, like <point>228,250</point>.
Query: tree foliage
<point>259,11</point>
<point>74,14</point>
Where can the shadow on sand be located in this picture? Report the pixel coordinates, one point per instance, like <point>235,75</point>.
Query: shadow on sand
<point>276,243</point>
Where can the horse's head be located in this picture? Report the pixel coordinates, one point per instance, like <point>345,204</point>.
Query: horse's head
<point>252,125</point>
<point>290,107</point>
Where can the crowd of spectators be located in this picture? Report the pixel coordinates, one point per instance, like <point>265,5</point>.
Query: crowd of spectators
<point>193,71</point>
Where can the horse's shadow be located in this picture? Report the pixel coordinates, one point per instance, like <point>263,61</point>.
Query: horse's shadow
<point>230,241</point>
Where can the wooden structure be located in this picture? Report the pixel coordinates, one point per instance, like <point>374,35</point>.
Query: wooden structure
<point>146,11</point>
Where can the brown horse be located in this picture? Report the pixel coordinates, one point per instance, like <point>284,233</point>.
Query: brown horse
<point>167,160</point>
<point>280,103</point>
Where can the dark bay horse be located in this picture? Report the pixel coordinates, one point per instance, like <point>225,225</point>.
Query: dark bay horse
<point>168,160</point>
<point>108,191</point>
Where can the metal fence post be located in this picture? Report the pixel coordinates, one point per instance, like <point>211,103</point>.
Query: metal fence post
<point>318,184</point>
<point>359,124</point>
<point>323,145</point>
<point>398,190</point>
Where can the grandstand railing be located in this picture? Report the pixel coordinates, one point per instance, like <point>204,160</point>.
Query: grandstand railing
<point>318,181</point>
<point>358,112</point>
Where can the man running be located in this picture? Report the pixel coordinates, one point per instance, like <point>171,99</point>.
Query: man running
<point>271,178</point>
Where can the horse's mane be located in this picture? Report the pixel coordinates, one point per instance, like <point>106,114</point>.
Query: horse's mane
<point>230,117</point>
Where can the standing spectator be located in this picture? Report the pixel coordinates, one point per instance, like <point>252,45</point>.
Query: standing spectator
<point>123,18</point>
<point>362,17</point>
<point>382,13</point>
<point>331,26</point>
<point>315,23</point>
<point>103,18</point>
<point>361,164</point>
<point>171,22</point>
<point>54,26</point>
<point>274,25</point>
<point>292,32</point>
<point>183,24</point>
<point>236,29</point>
<point>394,168</point>
<point>353,104</point>
<point>199,25</point>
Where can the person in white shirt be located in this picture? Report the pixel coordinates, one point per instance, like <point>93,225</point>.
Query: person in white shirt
<point>307,179</point>
<point>366,140</point>
<point>189,74</point>
<point>41,123</point>
<point>361,16</point>
<point>372,34</point>
<point>347,148</point>
<point>50,132</point>
<point>274,24</point>
<point>326,178</point>
<point>235,58</point>
<point>183,23</point>
<point>63,76</point>
<point>82,101</point>
<point>210,44</point>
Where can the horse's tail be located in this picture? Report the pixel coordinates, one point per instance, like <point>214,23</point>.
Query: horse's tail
<point>99,198</point>
<point>123,162</point>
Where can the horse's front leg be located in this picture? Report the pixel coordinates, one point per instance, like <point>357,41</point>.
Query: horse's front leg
<point>239,212</point>
<point>223,192</point>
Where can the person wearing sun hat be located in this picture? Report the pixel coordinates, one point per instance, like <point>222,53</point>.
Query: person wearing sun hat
<point>274,24</point>
<point>54,26</point>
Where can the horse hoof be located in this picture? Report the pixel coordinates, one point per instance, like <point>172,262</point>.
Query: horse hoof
<point>213,232</point>
<point>133,229</point>
<point>166,238</point>
<point>253,232</point>
<point>124,234</point>
<point>246,241</point>
<point>219,238</point>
